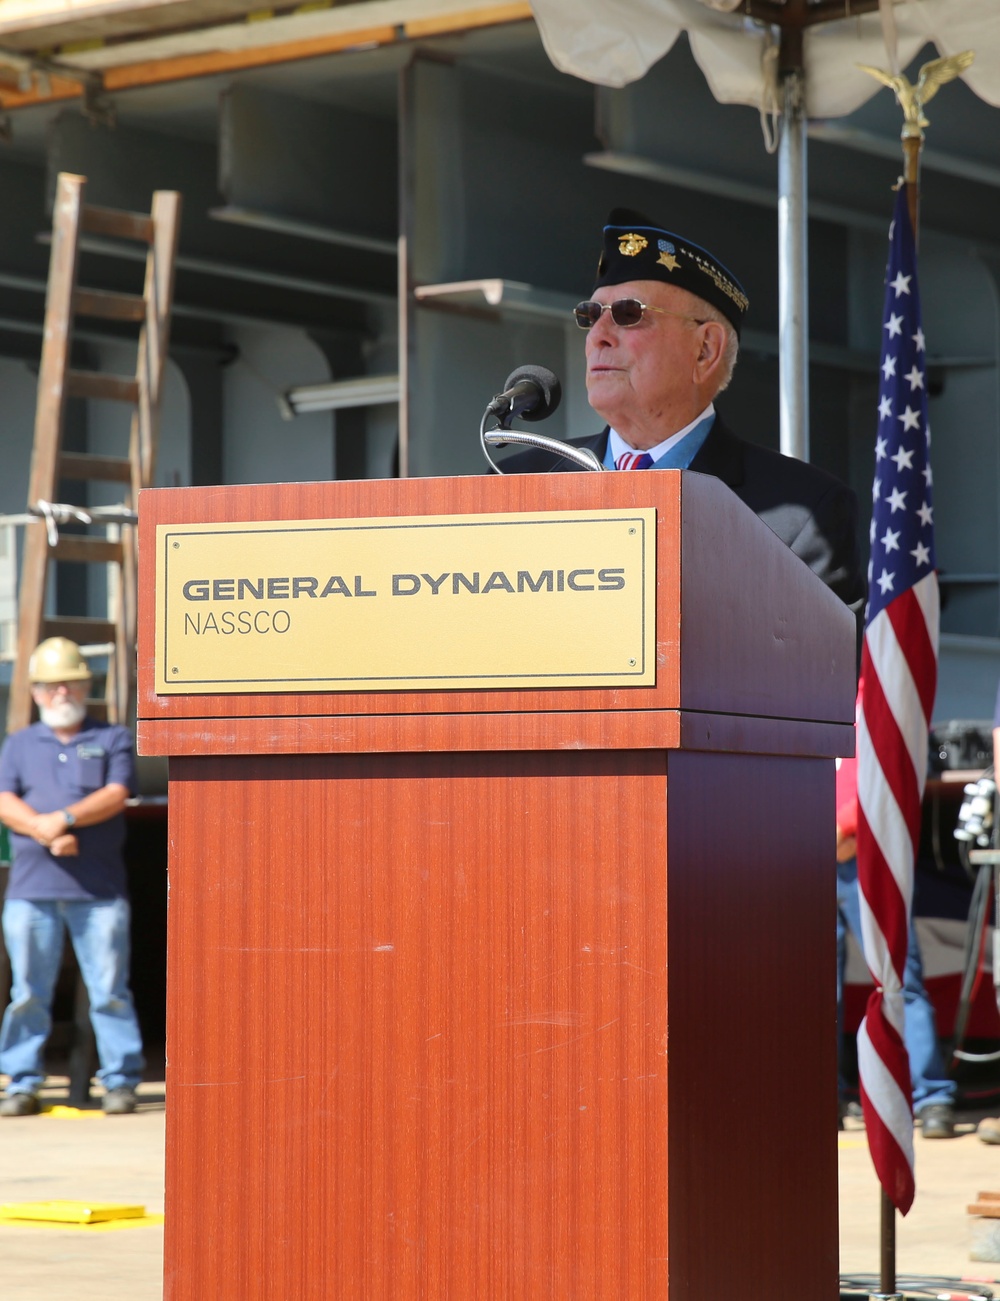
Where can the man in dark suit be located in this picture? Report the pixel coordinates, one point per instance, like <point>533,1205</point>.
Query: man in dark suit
<point>663,331</point>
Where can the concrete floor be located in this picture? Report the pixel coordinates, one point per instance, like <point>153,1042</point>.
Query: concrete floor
<point>934,1239</point>
<point>87,1157</point>
<point>120,1159</point>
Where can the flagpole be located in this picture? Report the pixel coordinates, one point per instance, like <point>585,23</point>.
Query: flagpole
<point>887,1252</point>
<point>912,139</point>
<point>893,1156</point>
<point>913,143</point>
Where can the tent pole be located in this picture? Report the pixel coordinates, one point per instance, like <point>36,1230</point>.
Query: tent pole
<point>793,269</point>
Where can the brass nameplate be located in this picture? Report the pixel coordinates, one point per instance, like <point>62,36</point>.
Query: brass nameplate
<point>420,603</point>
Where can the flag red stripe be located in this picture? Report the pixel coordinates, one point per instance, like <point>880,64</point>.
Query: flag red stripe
<point>891,749</point>
<point>883,898</point>
<point>886,1041</point>
<point>890,1161</point>
<point>907,618</point>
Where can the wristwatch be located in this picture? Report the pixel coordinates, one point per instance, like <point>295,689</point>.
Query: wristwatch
<point>70,818</point>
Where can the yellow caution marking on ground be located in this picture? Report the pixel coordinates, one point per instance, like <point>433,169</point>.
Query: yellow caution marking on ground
<point>71,1212</point>
<point>77,1215</point>
<point>60,1112</point>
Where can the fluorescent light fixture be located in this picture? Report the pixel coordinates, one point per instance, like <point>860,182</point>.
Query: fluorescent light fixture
<point>368,391</point>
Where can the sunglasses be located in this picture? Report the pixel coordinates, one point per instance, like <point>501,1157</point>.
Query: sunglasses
<point>624,311</point>
<point>53,688</point>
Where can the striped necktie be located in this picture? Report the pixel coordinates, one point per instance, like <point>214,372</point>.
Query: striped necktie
<point>634,461</point>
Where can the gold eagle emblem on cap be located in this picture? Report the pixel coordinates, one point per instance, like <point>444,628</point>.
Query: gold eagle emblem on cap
<point>630,245</point>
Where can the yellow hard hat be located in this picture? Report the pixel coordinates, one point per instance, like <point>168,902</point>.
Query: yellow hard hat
<point>57,659</point>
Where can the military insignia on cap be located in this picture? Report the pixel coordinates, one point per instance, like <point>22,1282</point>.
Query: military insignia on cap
<point>636,248</point>
<point>631,245</point>
<point>667,258</point>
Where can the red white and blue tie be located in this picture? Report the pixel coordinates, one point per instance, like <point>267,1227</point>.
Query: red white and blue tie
<point>633,461</point>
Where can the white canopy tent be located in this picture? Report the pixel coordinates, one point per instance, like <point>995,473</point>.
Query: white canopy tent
<point>738,44</point>
<point>619,41</point>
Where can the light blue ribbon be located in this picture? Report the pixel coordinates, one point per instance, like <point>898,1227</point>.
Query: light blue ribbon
<point>680,456</point>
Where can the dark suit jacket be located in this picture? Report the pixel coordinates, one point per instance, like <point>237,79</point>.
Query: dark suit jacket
<point>811,511</point>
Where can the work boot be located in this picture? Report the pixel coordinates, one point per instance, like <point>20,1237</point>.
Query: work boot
<point>119,1102</point>
<point>19,1104</point>
<point>938,1120</point>
<point>989,1130</point>
<point>848,1110</point>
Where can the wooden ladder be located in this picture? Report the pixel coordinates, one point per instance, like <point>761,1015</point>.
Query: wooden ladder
<point>113,543</point>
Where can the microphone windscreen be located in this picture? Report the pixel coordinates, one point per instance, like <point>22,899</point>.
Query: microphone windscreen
<point>548,386</point>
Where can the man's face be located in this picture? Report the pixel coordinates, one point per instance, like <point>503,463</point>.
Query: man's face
<point>61,705</point>
<point>641,378</point>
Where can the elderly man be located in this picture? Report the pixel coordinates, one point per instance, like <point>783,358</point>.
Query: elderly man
<point>662,340</point>
<point>63,786</point>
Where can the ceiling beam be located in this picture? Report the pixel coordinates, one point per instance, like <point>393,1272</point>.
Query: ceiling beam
<point>250,47</point>
<point>762,196</point>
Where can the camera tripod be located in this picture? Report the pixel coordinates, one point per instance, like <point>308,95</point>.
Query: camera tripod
<point>986,889</point>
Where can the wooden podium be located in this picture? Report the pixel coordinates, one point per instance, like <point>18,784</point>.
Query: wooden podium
<point>510,994</point>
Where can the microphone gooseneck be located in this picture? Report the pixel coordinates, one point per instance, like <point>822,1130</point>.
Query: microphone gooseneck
<point>582,456</point>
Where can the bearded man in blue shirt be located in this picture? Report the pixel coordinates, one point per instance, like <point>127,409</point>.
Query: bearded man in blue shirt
<point>63,785</point>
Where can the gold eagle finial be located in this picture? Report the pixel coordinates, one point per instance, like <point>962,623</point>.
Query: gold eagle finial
<point>931,78</point>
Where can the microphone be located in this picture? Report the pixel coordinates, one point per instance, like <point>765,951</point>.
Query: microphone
<point>530,393</point>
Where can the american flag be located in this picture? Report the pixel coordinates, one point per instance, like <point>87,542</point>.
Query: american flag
<point>898,682</point>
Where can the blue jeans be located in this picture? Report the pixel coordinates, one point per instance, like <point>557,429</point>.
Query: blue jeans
<point>33,933</point>
<point>927,1074</point>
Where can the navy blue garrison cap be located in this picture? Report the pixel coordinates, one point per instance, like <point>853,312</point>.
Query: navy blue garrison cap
<point>635,248</point>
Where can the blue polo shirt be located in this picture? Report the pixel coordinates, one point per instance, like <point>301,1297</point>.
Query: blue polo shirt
<point>48,774</point>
